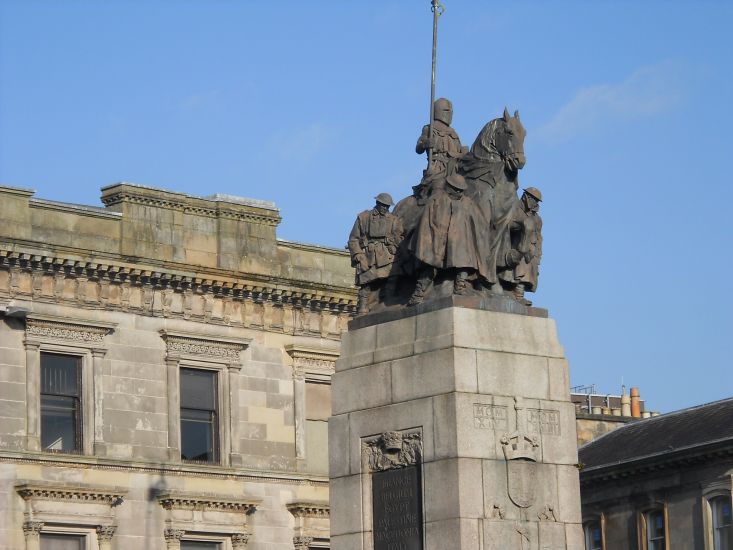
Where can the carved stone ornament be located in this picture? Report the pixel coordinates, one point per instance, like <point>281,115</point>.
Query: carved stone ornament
<point>302,543</point>
<point>547,513</point>
<point>30,491</point>
<point>308,509</point>
<point>198,345</point>
<point>393,450</point>
<point>32,528</point>
<point>311,363</point>
<point>497,511</point>
<point>77,332</point>
<point>105,532</point>
<point>240,540</point>
<point>520,454</point>
<point>173,535</point>
<point>200,502</point>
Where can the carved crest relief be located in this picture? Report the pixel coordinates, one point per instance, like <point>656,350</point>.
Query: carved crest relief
<point>392,450</point>
<point>520,452</point>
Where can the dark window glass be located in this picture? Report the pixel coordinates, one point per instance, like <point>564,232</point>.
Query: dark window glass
<point>593,536</point>
<point>60,403</point>
<point>199,416</point>
<point>62,542</point>
<point>722,523</point>
<point>199,545</point>
<point>655,531</point>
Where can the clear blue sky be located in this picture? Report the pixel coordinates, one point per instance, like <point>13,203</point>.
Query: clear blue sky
<point>317,106</point>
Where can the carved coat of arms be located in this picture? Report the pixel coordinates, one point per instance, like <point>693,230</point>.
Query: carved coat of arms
<point>521,467</point>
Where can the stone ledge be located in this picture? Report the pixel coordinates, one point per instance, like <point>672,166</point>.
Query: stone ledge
<point>499,304</point>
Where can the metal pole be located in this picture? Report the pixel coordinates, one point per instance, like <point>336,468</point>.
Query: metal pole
<point>436,9</point>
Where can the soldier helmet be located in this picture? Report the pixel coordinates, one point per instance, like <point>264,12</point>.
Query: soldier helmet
<point>457,181</point>
<point>443,110</point>
<point>385,199</point>
<point>534,192</point>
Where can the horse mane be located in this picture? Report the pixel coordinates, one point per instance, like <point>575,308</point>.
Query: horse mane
<point>484,147</point>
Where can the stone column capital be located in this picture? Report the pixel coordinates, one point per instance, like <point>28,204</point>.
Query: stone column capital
<point>240,540</point>
<point>99,353</point>
<point>105,532</point>
<point>32,528</point>
<point>301,542</point>
<point>173,535</point>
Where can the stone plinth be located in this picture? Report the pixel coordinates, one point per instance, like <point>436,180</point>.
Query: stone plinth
<point>479,400</point>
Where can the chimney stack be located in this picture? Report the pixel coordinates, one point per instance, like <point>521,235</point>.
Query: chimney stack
<point>625,403</point>
<point>635,405</point>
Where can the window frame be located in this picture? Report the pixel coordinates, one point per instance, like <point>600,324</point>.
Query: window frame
<point>587,523</point>
<point>224,541</point>
<point>219,402</point>
<point>89,534</point>
<point>643,525</point>
<point>79,404</point>
<point>711,492</point>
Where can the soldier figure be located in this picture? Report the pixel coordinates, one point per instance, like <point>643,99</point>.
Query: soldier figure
<point>373,243</point>
<point>444,143</point>
<point>453,235</point>
<point>526,237</point>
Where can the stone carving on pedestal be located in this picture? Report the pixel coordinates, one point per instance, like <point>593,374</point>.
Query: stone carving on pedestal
<point>393,450</point>
<point>520,452</point>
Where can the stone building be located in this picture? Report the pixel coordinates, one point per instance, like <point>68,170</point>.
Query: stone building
<point>662,482</point>
<point>164,374</point>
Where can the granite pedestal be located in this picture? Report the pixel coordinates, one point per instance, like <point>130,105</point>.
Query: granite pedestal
<point>452,428</point>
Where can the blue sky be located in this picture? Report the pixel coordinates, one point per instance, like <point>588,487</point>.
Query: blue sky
<point>317,106</point>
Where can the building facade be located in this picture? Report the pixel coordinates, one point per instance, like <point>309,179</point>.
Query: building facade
<point>661,483</point>
<point>164,374</point>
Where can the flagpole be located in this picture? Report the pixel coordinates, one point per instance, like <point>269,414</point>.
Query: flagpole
<point>437,10</point>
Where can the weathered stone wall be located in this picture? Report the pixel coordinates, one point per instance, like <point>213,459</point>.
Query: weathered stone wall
<point>152,283</point>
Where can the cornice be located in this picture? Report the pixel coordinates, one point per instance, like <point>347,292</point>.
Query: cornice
<point>309,509</point>
<point>43,491</point>
<point>313,363</point>
<point>184,501</point>
<point>64,328</point>
<point>179,278</point>
<point>185,343</point>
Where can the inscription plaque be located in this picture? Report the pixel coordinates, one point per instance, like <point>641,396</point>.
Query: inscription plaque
<point>397,509</point>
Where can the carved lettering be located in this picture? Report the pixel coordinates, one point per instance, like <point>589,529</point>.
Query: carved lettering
<point>543,421</point>
<point>490,417</point>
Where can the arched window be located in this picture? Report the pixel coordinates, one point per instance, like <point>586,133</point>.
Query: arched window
<point>593,535</point>
<point>720,508</point>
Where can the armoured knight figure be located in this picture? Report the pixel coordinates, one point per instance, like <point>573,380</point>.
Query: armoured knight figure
<point>444,142</point>
<point>526,252</point>
<point>452,236</point>
<point>373,243</point>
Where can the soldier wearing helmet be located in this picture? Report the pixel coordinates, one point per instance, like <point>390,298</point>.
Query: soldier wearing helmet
<point>444,142</point>
<point>523,260</point>
<point>373,243</point>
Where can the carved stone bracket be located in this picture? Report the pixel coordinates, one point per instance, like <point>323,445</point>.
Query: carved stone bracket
<point>392,450</point>
<point>302,543</point>
<point>240,540</point>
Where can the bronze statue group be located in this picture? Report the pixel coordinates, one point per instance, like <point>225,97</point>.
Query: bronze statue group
<point>463,231</point>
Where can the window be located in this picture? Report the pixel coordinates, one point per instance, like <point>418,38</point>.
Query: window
<point>199,545</point>
<point>722,524</point>
<point>199,418</point>
<point>62,542</point>
<point>60,403</point>
<point>593,540</point>
<point>655,530</point>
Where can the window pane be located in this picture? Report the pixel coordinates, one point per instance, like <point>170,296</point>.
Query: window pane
<point>722,523</point>
<point>199,545</point>
<point>198,433</point>
<point>62,542</point>
<point>59,417</point>
<point>198,389</point>
<point>655,530</point>
<point>59,374</point>
<point>593,536</point>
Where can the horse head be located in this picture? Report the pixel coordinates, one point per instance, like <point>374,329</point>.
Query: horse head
<point>502,139</point>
